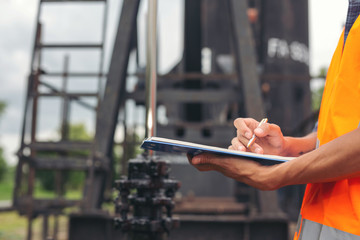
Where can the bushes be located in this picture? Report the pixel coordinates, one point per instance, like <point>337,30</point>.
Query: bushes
<point>72,180</point>
<point>3,165</point>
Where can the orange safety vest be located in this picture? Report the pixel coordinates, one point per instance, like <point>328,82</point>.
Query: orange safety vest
<point>331,211</point>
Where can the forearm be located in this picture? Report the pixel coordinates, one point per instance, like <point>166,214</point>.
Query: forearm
<point>336,160</point>
<point>295,147</point>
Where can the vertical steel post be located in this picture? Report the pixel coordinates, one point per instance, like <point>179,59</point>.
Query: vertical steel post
<point>109,106</point>
<point>151,69</point>
<point>65,107</point>
<point>246,67</point>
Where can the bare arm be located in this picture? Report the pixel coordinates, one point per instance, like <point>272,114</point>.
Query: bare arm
<point>336,160</point>
<point>298,146</point>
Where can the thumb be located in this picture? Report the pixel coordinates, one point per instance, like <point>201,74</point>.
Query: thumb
<point>268,129</point>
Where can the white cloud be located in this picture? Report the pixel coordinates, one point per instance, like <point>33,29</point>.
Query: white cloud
<point>326,22</point>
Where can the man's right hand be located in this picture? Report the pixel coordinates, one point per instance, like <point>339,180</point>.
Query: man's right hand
<point>269,138</point>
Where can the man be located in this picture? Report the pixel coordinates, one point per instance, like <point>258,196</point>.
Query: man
<point>328,161</point>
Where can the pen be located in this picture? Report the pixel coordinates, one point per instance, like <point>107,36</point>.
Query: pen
<point>252,139</point>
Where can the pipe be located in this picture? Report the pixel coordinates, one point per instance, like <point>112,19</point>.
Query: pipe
<point>151,69</point>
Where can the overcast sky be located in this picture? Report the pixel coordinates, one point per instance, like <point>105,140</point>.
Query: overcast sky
<point>17,26</point>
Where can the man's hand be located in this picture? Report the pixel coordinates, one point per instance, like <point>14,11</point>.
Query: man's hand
<point>336,160</point>
<point>246,171</point>
<point>269,138</point>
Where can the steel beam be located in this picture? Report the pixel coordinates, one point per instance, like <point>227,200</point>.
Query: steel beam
<point>63,163</point>
<point>69,95</point>
<point>192,56</point>
<point>246,59</point>
<point>74,74</point>
<point>247,67</point>
<point>60,146</point>
<point>42,205</point>
<point>190,96</point>
<point>51,1</point>
<point>69,45</point>
<point>110,104</point>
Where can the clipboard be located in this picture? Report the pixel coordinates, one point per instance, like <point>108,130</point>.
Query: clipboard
<point>182,147</point>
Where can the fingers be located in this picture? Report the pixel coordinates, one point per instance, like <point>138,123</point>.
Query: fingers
<point>207,159</point>
<point>240,144</point>
<point>256,148</point>
<point>237,145</point>
<point>203,162</point>
<point>253,148</point>
<point>203,159</point>
<point>245,126</point>
<point>245,129</point>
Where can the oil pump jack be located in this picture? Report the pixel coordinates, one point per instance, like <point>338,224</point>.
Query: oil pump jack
<point>255,68</point>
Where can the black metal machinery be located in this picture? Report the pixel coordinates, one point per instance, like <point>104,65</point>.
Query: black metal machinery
<point>154,192</point>
<point>248,76</point>
<point>147,187</point>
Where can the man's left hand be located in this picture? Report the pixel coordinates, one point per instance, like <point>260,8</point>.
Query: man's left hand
<point>240,169</point>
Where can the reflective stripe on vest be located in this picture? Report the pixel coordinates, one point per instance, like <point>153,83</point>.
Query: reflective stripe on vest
<point>315,231</point>
<point>334,207</point>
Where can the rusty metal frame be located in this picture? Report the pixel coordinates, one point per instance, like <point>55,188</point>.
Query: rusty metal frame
<point>29,161</point>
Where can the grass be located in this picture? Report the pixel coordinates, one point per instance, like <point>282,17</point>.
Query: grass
<point>14,227</point>
<point>70,194</point>
<point>7,185</point>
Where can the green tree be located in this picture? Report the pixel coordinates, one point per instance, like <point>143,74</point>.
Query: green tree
<point>316,99</point>
<point>78,132</point>
<point>2,108</point>
<point>71,179</point>
<point>322,73</point>
<point>317,94</point>
<point>3,165</point>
